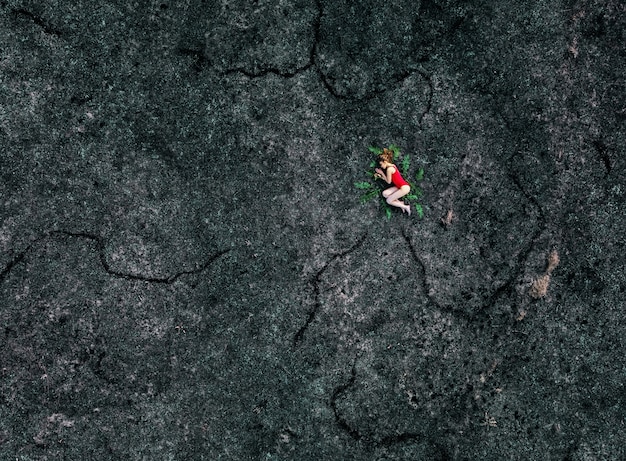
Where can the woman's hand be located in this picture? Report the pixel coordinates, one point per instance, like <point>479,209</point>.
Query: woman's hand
<point>379,173</point>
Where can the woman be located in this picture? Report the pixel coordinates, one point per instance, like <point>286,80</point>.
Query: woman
<point>391,175</point>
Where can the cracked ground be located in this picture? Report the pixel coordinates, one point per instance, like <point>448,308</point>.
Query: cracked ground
<point>186,272</point>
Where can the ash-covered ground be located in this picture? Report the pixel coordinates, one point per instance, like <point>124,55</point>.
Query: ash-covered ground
<point>186,272</point>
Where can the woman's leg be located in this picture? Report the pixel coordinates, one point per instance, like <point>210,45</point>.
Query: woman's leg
<point>388,192</point>
<point>394,196</point>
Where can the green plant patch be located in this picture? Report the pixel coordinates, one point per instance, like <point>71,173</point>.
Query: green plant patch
<point>372,188</point>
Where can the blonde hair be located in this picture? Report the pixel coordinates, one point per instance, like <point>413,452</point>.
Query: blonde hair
<point>386,155</point>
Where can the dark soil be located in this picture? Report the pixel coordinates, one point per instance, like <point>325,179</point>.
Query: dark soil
<point>186,272</point>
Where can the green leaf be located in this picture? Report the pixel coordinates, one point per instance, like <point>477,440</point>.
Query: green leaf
<point>406,163</point>
<point>369,196</point>
<point>371,190</point>
<point>363,185</point>
<point>395,149</point>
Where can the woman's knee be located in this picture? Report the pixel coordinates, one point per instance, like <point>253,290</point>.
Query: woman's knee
<point>390,191</point>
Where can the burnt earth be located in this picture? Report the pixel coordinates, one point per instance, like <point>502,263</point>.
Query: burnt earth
<point>186,272</point>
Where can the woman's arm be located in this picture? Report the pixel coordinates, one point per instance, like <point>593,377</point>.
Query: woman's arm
<point>390,171</point>
<point>386,175</point>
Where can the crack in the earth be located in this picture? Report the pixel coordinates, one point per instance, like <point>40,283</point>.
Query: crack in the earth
<point>541,226</point>
<point>341,421</point>
<point>47,28</point>
<point>99,241</point>
<point>317,280</point>
<point>290,74</point>
<point>313,64</point>
<point>164,280</point>
<point>369,440</point>
<point>529,197</point>
<point>431,94</point>
<point>200,61</point>
<point>422,273</point>
<point>11,264</point>
<point>460,314</point>
<point>602,150</point>
<point>507,286</point>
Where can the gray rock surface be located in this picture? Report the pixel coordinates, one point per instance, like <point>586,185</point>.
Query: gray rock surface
<point>186,272</point>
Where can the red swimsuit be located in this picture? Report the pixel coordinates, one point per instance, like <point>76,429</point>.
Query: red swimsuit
<point>397,179</point>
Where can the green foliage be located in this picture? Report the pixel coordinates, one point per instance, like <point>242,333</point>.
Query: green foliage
<point>363,185</point>
<point>373,188</point>
<point>396,151</point>
<point>369,196</point>
<point>406,163</point>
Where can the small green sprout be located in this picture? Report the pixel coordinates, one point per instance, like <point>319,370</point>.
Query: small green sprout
<point>372,189</point>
